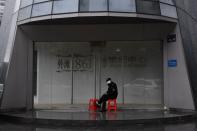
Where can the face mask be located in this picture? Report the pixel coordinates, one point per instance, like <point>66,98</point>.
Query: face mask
<point>108,82</point>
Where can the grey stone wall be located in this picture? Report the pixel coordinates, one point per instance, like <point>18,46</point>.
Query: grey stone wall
<point>18,85</point>
<point>6,27</point>
<point>187,14</point>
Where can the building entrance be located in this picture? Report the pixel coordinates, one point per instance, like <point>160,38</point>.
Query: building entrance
<point>73,72</point>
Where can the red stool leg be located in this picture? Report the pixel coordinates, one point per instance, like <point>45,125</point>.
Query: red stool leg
<point>108,105</point>
<point>92,104</point>
<point>115,105</point>
<point>112,107</point>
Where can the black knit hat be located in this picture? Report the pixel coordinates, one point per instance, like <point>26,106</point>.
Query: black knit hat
<point>108,79</point>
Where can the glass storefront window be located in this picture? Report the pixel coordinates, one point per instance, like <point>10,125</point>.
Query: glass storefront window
<point>148,7</point>
<point>65,6</point>
<point>67,70</point>
<point>42,9</point>
<point>47,7</point>
<point>25,3</point>
<point>24,13</point>
<point>168,10</point>
<point>122,5</point>
<point>93,5</point>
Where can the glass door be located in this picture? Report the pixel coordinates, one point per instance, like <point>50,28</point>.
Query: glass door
<point>136,68</point>
<point>54,75</point>
<point>143,73</point>
<point>83,74</point>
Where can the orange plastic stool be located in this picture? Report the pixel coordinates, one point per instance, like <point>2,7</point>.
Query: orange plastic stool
<point>112,105</point>
<point>92,104</point>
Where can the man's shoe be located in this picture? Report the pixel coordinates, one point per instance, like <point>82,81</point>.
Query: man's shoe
<point>98,105</point>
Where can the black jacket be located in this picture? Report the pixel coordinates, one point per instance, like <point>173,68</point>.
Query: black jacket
<point>112,91</point>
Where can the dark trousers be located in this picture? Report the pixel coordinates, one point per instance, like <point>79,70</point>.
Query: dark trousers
<point>103,101</point>
<point>104,98</point>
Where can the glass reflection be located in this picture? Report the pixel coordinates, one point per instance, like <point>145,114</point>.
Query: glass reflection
<point>65,6</point>
<point>93,5</point>
<point>122,5</point>
<point>168,10</point>
<point>38,1</point>
<point>24,13</point>
<point>25,3</point>
<point>148,7</point>
<point>42,9</point>
<point>167,2</point>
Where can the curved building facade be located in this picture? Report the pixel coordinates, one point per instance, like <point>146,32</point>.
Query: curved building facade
<point>60,52</point>
<point>51,9</point>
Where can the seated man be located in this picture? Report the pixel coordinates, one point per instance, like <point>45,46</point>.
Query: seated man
<point>111,93</point>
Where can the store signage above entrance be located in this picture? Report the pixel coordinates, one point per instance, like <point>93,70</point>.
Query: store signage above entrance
<point>75,63</point>
<point>171,38</point>
<point>172,63</point>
